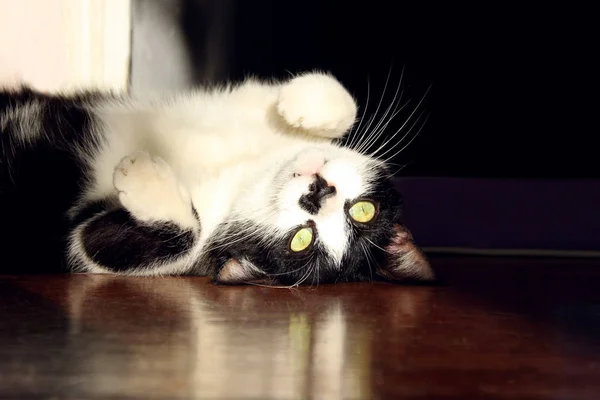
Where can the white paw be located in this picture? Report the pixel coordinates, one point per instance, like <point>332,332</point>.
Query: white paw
<point>317,103</point>
<point>149,189</point>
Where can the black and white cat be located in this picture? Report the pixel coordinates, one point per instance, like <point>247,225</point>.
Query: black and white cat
<point>246,183</point>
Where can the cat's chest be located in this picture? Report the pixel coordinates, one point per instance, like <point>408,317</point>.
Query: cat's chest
<point>215,148</point>
<point>215,192</point>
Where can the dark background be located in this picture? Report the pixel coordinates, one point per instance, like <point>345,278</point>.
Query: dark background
<point>509,83</point>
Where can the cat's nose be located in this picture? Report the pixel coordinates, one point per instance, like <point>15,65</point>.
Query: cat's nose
<point>318,190</point>
<point>322,188</point>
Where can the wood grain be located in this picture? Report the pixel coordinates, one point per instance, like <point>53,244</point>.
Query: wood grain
<point>497,329</point>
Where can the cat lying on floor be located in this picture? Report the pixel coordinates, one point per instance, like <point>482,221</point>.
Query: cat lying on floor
<point>245,183</point>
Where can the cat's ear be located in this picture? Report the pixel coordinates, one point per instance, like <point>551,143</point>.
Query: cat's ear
<point>238,271</point>
<point>406,262</point>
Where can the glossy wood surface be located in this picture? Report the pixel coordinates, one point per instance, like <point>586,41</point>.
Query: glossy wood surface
<point>497,329</point>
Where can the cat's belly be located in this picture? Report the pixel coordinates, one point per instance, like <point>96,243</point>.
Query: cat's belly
<point>213,164</point>
<point>213,199</point>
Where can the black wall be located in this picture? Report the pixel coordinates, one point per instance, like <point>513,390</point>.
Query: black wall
<point>510,84</point>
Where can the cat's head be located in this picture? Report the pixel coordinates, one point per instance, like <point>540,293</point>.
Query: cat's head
<point>321,215</point>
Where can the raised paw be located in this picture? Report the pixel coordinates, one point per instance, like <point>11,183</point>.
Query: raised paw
<point>317,103</point>
<point>149,189</point>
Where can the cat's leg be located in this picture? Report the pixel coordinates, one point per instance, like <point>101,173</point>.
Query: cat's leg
<point>150,229</point>
<point>317,104</point>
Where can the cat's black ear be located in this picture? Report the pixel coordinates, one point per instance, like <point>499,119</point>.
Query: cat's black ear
<point>238,271</point>
<point>406,262</point>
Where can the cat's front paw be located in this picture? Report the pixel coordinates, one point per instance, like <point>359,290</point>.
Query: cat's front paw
<point>149,189</point>
<point>318,104</point>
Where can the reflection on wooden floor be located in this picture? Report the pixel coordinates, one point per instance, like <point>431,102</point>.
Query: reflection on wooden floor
<point>228,341</point>
<point>181,338</point>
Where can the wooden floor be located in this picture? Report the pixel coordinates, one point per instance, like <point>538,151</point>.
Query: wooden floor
<point>497,329</point>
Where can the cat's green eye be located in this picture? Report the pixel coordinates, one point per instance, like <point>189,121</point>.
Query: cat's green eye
<point>362,211</point>
<point>302,239</point>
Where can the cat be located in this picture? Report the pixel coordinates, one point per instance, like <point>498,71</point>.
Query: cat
<point>245,183</point>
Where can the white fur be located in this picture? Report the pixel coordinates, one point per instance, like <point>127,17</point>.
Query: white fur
<point>240,152</point>
<point>317,103</point>
<point>27,117</point>
<point>149,189</point>
<point>77,256</point>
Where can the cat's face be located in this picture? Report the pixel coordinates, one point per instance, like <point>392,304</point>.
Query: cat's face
<point>324,214</point>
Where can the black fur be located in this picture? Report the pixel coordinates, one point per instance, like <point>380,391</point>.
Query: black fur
<point>117,241</point>
<point>40,179</point>
<point>374,236</point>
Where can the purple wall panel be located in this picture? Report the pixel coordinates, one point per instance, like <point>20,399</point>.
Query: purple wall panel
<point>503,214</point>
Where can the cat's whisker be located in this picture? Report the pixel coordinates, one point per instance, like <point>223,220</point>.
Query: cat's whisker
<point>410,141</point>
<point>268,285</point>
<point>361,135</point>
<point>399,170</point>
<point>175,237</point>
<point>231,238</point>
<point>359,145</point>
<point>417,107</point>
<point>354,134</point>
<point>397,106</point>
<point>366,253</point>
<point>374,136</point>
<point>369,137</point>
<point>293,286</point>
<point>378,133</point>
<point>309,271</point>
<point>379,247</point>
<point>288,272</point>
<point>406,134</point>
